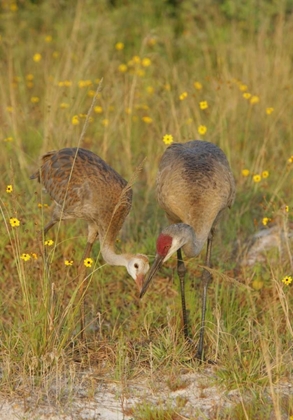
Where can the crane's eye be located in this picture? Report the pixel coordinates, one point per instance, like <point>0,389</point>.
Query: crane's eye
<point>135,265</point>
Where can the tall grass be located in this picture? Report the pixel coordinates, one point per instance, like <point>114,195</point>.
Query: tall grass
<point>53,56</point>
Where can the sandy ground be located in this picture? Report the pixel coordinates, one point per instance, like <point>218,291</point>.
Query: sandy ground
<point>113,401</point>
<point>197,399</point>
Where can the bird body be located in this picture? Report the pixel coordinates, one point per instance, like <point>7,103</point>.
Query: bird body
<point>85,187</point>
<point>194,185</point>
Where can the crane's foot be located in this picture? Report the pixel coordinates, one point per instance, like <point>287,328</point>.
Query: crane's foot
<point>200,357</point>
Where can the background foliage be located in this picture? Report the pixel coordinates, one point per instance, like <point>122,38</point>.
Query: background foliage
<point>159,60</point>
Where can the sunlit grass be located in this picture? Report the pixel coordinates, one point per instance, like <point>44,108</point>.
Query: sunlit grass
<point>168,76</point>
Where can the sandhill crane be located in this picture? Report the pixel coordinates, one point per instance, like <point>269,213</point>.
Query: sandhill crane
<point>194,185</point>
<point>85,187</point>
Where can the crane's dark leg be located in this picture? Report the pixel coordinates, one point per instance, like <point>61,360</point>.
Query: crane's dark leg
<point>81,277</point>
<point>49,226</point>
<point>181,270</point>
<point>206,279</point>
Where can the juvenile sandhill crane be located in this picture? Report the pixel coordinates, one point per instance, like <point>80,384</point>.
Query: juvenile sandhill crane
<point>85,187</point>
<point>194,185</point>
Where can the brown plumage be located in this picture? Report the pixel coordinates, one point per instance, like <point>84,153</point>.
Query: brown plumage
<point>85,187</point>
<point>194,186</point>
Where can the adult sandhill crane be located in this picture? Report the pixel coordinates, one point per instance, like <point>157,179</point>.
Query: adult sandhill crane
<point>194,185</point>
<point>85,187</point>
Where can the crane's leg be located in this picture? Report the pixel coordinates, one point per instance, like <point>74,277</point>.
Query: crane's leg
<point>81,277</point>
<point>181,270</point>
<point>206,279</point>
<point>49,226</point>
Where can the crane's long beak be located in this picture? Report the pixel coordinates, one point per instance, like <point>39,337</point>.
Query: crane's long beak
<point>156,265</point>
<point>139,281</point>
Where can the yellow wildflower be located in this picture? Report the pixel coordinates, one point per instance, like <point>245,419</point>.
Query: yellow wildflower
<point>75,120</point>
<point>183,96</point>
<point>35,99</point>
<point>168,139</point>
<point>37,57</point>
<point>88,262</point>
<point>287,209</point>
<point>68,262</point>
<point>287,280</point>
<point>290,160</point>
<point>84,83</point>
<point>146,62</point>
<point>64,105</point>
<point>9,189</point>
<point>105,122</point>
<point>119,46</point>
<point>98,109</point>
<point>203,105</point>
<point>147,120</point>
<point>202,129</point>
<point>254,99</point>
<point>265,174</point>
<point>265,220</point>
<point>246,95</point>
<point>13,7</point>
<point>122,68</point>
<point>257,284</point>
<point>197,85</point>
<point>8,139</point>
<point>245,172</point>
<point>150,90</point>
<point>242,87</point>
<point>29,77</point>
<point>49,242</point>
<point>256,178</point>
<point>34,255</point>
<point>48,38</point>
<point>14,222</point>
<point>136,59</point>
<point>25,257</point>
<point>269,110</point>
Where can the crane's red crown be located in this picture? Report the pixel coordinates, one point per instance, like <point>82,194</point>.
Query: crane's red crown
<point>164,243</point>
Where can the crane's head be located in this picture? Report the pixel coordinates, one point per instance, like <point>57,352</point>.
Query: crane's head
<point>169,241</point>
<point>137,267</point>
<point>164,251</point>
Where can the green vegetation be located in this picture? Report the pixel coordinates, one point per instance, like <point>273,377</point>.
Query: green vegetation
<point>214,70</point>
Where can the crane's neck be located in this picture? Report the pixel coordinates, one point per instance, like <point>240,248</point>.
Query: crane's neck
<point>183,236</point>
<point>193,246</point>
<point>110,256</point>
